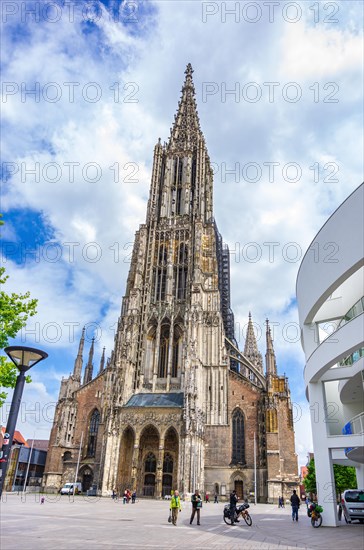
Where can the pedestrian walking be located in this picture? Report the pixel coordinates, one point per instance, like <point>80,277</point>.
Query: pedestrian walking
<point>295,503</point>
<point>113,494</point>
<point>133,497</point>
<point>207,497</point>
<point>175,507</point>
<point>233,501</point>
<point>216,499</point>
<point>196,506</point>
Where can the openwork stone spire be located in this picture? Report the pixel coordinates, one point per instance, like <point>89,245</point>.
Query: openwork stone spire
<point>102,361</point>
<point>270,358</point>
<point>186,128</point>
<point>251,351</point>
<point>89,367</point>
<point>79,359</point>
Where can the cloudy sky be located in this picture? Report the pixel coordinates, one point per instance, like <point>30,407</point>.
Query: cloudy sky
<point>89,87</point>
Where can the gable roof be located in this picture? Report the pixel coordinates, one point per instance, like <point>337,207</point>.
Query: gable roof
<point>156,400</point>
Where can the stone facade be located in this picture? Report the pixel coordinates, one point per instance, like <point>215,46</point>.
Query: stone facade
<point>178,404</point>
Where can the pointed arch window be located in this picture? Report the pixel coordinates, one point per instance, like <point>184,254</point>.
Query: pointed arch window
<point>177,186</point>
<point>238,454</point>
<point>160,189</point>
<point>163,352</point>
<point>92,433</point>
<point>177,336</point>
<point>168,464</point>
<point>181,271</point>
<point>150,464</point>
<point>160,273</point>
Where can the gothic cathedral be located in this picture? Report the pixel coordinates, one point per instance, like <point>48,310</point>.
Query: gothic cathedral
<point>177,405</point>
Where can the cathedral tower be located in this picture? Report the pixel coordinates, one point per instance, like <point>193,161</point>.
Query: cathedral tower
<point>170,346</point>
<point>177,405</point>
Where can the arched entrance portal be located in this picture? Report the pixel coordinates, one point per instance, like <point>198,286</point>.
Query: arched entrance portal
<point>147,461</point>
<point>170,462</point>
<point>87,477</point>
<point>124,480</point>
<point>239,488</point>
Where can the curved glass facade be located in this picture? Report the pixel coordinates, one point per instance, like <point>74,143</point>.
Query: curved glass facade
<point>352,358</point>
<point>354,311</point>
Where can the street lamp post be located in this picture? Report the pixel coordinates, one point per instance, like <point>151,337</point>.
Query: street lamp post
<point>24,358</point>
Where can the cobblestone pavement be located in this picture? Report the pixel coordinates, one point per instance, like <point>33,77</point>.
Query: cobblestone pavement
<point>89,523</point>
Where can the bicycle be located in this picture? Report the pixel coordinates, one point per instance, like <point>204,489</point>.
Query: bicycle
<point>241,511</point>
<point>314,512</point>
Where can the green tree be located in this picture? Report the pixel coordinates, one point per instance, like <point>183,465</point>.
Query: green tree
<point>345,478</point>
<point>15,309</point>
<point>310,480</point>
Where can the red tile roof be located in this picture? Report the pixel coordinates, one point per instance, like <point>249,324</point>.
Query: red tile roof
<point>18,439</point>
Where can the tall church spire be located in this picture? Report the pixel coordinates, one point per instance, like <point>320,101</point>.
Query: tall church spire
<point>270,358</point>
<point>79,359</point>
<point>89,367</point>
<point>251,351</point>
<point>186,128</point>
<point>102,361</point>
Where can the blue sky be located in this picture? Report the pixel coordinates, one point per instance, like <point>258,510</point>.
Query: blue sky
<point>106,88</point>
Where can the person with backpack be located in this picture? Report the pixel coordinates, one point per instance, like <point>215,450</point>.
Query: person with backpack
<point>295,503</point>
<point>196,506</point>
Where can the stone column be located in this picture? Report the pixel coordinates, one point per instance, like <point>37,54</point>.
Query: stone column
<point>159,473</point>
<point>134,463</point>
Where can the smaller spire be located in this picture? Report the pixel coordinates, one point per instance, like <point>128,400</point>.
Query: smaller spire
<point>89,367</point>
<point>251,351</point>
<point>79,359</point>
<point>102,361</point>
<point>270,358</point>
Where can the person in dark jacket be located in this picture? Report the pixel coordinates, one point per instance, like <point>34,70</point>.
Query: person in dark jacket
<point>196,506</point>
<point>295,503</point>
<point>233,501</point>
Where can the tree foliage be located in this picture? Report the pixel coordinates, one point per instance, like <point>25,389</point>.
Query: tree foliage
<point>310,479</point>
<point>345,478</point>
<point>15,309</point>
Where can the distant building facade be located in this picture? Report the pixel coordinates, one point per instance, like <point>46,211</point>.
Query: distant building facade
<point>26,463</point>
<point>177,405</point>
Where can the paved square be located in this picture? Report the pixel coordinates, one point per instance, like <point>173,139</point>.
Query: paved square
<point>64,523</point>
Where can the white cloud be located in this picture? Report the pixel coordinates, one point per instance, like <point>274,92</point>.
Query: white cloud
<point>149,65</point>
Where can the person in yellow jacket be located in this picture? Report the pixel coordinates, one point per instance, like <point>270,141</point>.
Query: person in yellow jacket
<point>175,507</point>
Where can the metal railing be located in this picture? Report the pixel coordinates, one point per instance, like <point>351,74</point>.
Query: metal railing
<point>355,426</point>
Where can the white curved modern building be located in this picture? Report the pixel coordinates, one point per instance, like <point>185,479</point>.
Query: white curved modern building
<point>330,296</point>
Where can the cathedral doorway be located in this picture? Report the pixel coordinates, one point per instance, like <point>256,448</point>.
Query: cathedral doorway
<point>124,480</point>
<point>239,488</point>
<point>147,463</point>
<point>87,478</point>
<point>150,469</point>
